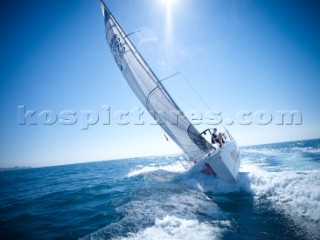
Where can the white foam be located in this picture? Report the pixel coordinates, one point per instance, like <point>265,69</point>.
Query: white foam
<point>281,151</point>
<point>262,151</point>
<point>162,216</point>
<point>307,149</point>
<point>174,228</point>
<point>207,183</point>
<point>176,167</point>
<point>295,193</point>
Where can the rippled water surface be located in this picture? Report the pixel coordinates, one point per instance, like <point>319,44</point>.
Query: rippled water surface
<point>277,196</point>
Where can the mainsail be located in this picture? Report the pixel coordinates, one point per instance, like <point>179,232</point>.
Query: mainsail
<point>151,92</point>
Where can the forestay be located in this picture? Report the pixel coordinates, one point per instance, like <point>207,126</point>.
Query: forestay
<point>151,92</point>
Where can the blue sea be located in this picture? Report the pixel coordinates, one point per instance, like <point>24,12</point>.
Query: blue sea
<point>277,196</point>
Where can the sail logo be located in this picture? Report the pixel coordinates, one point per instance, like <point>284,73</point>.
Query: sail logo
<point>117,50</point>
<point>235,154</point>
<point>207,169</point>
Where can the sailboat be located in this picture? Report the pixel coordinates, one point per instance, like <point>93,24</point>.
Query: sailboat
<point>201,156</point>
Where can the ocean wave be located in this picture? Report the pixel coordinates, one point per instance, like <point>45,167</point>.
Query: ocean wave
<point>174,228</point>
<point>295,194</point>
<point>140,170</point>
<point>281,150</point>
<point>307,149</point>
<point>262,151</point>
<point>166,216</point>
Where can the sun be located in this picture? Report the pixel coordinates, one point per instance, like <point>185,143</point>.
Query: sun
<point>168,2</point>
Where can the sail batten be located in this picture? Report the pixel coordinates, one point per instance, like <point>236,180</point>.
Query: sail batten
<point>150,91</point>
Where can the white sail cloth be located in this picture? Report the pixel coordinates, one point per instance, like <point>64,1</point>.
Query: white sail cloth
<point>151,92</point>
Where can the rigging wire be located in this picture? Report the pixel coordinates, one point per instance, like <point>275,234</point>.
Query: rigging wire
<point>186,164</point>
<point>189,84</point>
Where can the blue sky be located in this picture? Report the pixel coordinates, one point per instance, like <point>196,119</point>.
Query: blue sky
<point>238,55</point>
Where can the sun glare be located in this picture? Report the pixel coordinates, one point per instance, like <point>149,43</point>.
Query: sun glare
<point>168,2</point>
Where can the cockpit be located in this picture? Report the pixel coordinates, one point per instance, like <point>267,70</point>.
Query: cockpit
<point>216,137</point>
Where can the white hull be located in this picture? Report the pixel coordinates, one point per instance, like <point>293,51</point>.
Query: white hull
<point>223,163</point>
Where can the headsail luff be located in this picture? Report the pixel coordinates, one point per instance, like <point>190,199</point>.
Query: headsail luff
<point>151,92</point>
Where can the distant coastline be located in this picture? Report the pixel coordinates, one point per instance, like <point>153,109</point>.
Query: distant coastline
<point>13,168</point>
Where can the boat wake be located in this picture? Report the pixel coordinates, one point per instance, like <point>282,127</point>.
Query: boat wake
<point>142,170</point>
<point>294,194</point>
<point>171,227</point>
<point>172,203</point>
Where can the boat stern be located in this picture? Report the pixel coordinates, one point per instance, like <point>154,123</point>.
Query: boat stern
<point>223,163</point>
